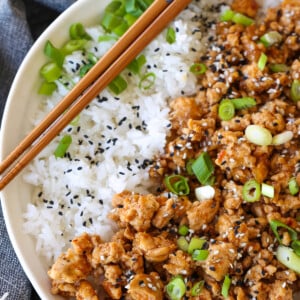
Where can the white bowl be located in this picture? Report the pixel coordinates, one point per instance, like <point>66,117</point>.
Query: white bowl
<point>21,103</point>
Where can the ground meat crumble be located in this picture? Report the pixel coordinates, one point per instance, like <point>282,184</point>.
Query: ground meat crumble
<point>144,255</point>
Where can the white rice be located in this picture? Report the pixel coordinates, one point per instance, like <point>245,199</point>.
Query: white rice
<point>115,138</point>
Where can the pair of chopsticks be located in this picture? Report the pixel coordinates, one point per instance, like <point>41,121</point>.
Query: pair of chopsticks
<point>137,37</point>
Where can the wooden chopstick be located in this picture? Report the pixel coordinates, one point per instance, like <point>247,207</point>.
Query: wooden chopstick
<point>72,105</point>
<point>132,33</point>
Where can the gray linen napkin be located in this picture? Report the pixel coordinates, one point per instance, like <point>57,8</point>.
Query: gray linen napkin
<point>21,22</point>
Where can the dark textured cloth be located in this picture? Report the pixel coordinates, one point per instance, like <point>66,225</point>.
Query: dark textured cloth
<point>21,22</point>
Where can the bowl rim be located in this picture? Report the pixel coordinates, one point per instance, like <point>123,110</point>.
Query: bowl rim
<point>82,11</point>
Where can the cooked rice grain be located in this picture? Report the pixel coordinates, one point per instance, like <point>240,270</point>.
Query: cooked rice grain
<point>115,138</point>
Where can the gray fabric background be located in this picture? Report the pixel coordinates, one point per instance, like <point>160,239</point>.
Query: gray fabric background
<point>21,22</point>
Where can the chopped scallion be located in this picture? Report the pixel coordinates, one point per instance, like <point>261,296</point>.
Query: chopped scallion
<point>195,244</point>
<point>295,90</point>
<point>54,53</point>
<point>197,288</point>
<point>296,247</point>
<point>251,191</point>
<point>274,224</point>
<point>183,230</point>
<point>241,19</point>
<point>267,190</point>
<point>182,243</point>
<point>203,168</point>
<point>293,186</point>
<point>258,135</point>
<point>107,38</point>
<point>147,81</point>
<point>136,65</point>
<point>47,88</point>
<point>176,288</point>
<point>120,29</point>
<point>177,184</point>
<point>188,166</point>
<point>242,103</point>
<point>50,71</point>
<point>226,286</point>
<point>118,85</point>
<point>226,110</point>
<point>282,138</point>
<point>84,69</point>
<point>198,68</point>
<point>271,38</point>
<point>63,146</point>
<point>278,68</point>
<point>73,45</point>
<point>171,35</point>
<point>288,258</point>
<point>235,17</point>
<point>262,61</point>
<point>227,15</point>
<point>77,32</point>
<point>200,254</point>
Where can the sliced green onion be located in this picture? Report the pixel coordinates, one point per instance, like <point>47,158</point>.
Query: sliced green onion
<point>226,286</point>
<point>72,46</point>
<point>63,146</point>
<point>241,19</point>
<point>271,38</point>
<point>203,168</point>
<point>50,71</point>
<point>107,38</point>
<point>92,58</point>
<point>147,81</point>
<point>258,135</point>
<point>136,65</point>
<point>110,21</point>
<point>198,68</point>
<point>295,90</point>
<point>130,19</point>
<point>236,17</point>
<point>282,138</point>
<point>205,192</point>
<point>293,186</point>
<point>77,32</point>
<point>182,243</point>
<point>197,288</point>
<point>226,110</point>
<point>195,244</point>
<point>176,288</point>
<point>188,166</point>
<point>200,254</point>
<point>274,224</point>
<point>47,88</point>
<point>278,68</point>
<point>267,190</point>
<point>118,85</point>
<point>242,103</point>
<point>120,29</point>
<point>177,184</point>
<point>131,6</point>
<point>116,7</point>
<point>296,247</point>
<point>227,15</point>
<point>54,54</point>
<point>289,258</point>
<point>75,121</point>
<point>84,69</point>
<point>262,61</point>
<point>171,35</point>
<point>251,191</point>
<point>183,230</point>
